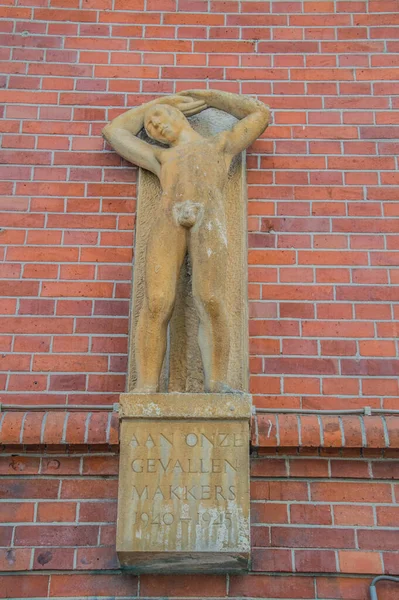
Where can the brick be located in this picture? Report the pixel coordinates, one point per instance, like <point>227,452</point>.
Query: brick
<point>19,465</point>
<point>337,329</point>
<point>375,432</point>
<point>393,431</point>
<point>78,362</point>
<point>301,385</point>
<point>332,436</point>
<point>360,562</point>
<point>301,365</point>
<point>390,562</point>
<point>288,430</point>
<point>377,539</point>
<point>14,362</point>
<point>292,537</point>
<point>70,343</point>
<point>31,489</point>
<point>32,427</point>
<point>270,559</point>
<point>15,559</point>
<point>267,430</point>
<point>5,535</point>
<point>311,561</point>
<point>308,467</point>
<point>310,431</point>
<point>74,307</point>
<point>62,465</point>
<point>31,343</point>
<point>102,326</point>
<point>53,558</point>
<point>97,426</point>
<point>89,489</point>
<point>51,535</point>
<point>97,558</point>
<point>17,512</point>
<point>113,435</point>
<point>387,516</point>
<point>352,469</point>
<point>379,367</point>
<point>19,288</point>
<point>155,585</point>
<point>11,428</point>
<point>350,492</point>
<point>47,254</point>
<point>288,490</point>
<point>346,588</point>
<point>306,514</point>
<point>76,427</point>
<point>89,584</point>
<point>56,512</point>
<point>67,382</point>
<point>24,586</point>
<point>97,512</point>
<point>98,465</point>
<point>353,515</point>
<point>67,289</point>
<point>277,586</point>
<point>373,387</point>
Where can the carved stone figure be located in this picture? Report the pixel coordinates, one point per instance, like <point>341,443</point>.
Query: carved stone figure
<point>193,171</point>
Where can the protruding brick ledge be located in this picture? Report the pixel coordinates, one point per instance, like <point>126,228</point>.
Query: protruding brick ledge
<point>59,429</point>
<point>325,431</point>
<point>99,430</point>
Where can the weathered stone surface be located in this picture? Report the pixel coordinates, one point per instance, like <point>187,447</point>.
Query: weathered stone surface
<point>190,269</point>
<point>184,483</point>
<point>182,370</point>
<point>186,406</point>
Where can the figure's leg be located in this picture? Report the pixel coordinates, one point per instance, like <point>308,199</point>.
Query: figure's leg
<point>208,250</point>
<point>165,253</point>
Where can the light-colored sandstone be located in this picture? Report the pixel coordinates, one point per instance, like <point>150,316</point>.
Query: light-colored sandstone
<point>183,500</point>
<point>189,224</point>
<point>185,406</point>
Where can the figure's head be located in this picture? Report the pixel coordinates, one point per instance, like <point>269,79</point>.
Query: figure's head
<point>164,123</point>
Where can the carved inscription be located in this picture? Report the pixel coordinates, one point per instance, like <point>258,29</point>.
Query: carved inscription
<point>184,486</point>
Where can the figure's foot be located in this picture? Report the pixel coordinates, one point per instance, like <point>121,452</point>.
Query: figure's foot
<point>145,389</point>
<point>218,387</point>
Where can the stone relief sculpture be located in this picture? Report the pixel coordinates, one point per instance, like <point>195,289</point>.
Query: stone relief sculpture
<point>193,171</point>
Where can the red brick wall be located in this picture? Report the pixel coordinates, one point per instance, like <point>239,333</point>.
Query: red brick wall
<point>324,510</point>
<point>323,206</point>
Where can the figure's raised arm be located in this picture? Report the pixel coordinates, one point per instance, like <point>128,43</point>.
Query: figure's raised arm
<point>121,133</point>
<point>253,114</point>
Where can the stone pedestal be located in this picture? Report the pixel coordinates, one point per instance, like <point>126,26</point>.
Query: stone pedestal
<point>183,501</point>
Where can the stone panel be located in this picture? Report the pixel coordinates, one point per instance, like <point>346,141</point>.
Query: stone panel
<point>182,369</point>
<point>184,488</point>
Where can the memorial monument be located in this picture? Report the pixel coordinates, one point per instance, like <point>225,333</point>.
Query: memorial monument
<point>184,470</point>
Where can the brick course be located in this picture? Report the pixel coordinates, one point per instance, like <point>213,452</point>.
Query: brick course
<point>308,518</point>
<point>323,282</point>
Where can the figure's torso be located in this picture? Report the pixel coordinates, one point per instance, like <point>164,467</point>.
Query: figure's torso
<point>195,172</point>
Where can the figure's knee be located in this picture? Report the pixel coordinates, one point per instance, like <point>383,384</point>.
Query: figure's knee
<point>212,304</point>
<point>160,304</point>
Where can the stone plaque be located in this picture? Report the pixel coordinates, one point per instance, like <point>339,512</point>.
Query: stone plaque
<point>184,483</point>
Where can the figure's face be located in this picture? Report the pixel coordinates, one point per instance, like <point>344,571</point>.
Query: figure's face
<point>164,123</point>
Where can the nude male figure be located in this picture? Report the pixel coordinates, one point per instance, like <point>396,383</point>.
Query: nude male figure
<point>193,172</point>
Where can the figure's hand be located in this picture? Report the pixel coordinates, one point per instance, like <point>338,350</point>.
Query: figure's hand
<point>186,104</point>
<point>195,94</point>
